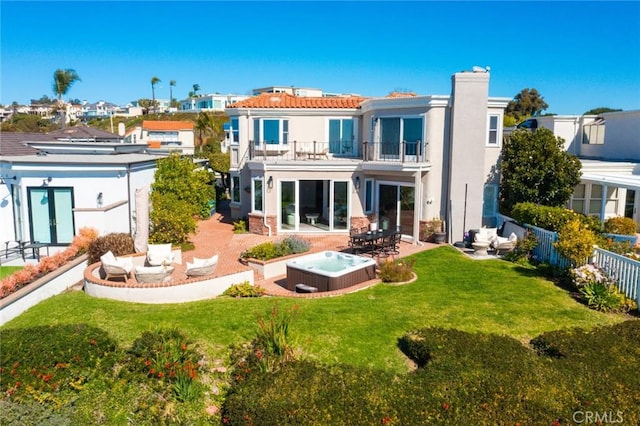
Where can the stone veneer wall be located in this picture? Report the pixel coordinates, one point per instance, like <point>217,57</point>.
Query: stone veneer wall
<point>256,224</point>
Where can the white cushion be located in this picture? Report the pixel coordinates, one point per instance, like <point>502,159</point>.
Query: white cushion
<point>204,262</point>
<point>108,258</point>
<point>513,237</point>
<point>157,254</point>
<point>150,269</point>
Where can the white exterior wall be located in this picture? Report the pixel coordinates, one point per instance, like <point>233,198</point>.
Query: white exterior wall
<point>622,135</point>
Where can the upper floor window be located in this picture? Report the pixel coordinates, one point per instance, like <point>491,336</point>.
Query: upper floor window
<point>235,132</point>
<point>492,135</point>
<point>394,130</point>
<point>341,136</point>
<point>270,131</point>
<point>593,133</point>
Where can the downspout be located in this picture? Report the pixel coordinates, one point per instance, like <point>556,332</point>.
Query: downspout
<point>264,212</point>
<point>129,196</point>
<point>419,190</point>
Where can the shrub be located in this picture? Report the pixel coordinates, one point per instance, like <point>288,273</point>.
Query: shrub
<point>603,297</point>
<point>395,271</point>
<point>296,244</point>
<point>620,225</point>
<point>24,276</point>
<point>119,244</point>
<point>610,244</point>
<point>522,251</point>
<point>271,250</point>
<point>244,289</point>
<point>50,364</point>
<point>575,242</point>
<point>169,359</point>
<point>172,219</point>
<point>551,218</point>
<point>240,226</point>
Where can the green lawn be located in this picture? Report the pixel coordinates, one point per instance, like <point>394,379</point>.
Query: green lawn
<point>362,328</point>
<point>8,270</point>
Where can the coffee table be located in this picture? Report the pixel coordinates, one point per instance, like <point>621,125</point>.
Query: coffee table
<point>480,248</point>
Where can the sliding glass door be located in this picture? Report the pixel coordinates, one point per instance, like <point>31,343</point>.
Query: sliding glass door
<point>396,207</point>
<point>51,215</point>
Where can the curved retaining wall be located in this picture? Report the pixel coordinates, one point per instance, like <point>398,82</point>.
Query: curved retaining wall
<point>189,290</point>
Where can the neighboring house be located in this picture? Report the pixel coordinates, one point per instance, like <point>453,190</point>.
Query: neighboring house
<point>328,164</point>
<point>83,134</point>
<point>50,189</point>
<point>210,102</point>
<point>162,137</point>
<point>608,148</point>
<point>100,109</point>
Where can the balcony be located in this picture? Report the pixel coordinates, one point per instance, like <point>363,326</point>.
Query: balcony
<point>398,152</point>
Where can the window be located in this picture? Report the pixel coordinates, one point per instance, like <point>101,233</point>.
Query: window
<point>257,194</point>
<point>235,132</point>
<point>341,136</point>
<point>492,136</point>
<point>271,131</point>
<point>394,130</point>
<point>593,133</point>
<point>490,200</point>
<point>595,201</point>
<point>235,189</point>
<point>368,196</point>
<point>577,200</point>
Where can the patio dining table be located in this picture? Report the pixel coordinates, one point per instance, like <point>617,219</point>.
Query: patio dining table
<point>369,241</point>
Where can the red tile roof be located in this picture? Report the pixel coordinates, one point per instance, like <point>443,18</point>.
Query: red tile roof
<point>167,125</point>
<point>285,100</point>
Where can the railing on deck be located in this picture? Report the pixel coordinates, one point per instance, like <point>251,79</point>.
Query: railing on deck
<point>402,152</point>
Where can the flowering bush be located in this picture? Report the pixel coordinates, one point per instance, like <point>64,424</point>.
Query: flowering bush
<point>599,289</point>
<point>48,264</point>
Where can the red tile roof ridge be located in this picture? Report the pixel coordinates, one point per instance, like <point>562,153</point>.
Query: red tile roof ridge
<point>286,100</point>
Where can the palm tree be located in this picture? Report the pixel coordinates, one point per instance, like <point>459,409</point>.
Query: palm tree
<point>154,81</point>
<point>196,87</point>
<point>62,82</point>
<point>207,125</point>
<point>172,84</point>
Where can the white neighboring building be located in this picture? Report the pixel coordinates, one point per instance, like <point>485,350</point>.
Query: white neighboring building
<point>210,102</point>
<point>608,148</point>
<point>162,137</point>
<point>48,198</point>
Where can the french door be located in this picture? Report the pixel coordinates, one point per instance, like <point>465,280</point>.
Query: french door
<point>51,215</point>
<point>396,207</point>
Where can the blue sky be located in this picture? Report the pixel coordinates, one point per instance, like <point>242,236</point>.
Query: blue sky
<point>579,55</point>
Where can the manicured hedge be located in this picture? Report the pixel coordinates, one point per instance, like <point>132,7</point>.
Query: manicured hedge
<point>551,218</point>
<point>462,378</point>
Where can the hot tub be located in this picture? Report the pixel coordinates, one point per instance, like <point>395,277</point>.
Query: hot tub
<point>329,270</point>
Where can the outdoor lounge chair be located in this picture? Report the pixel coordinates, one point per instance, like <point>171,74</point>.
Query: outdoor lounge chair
<point>116,267</point>
<point>201,267</point>
<point>159,254</point>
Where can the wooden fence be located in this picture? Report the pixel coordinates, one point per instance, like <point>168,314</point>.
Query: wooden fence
<point>625,271</point>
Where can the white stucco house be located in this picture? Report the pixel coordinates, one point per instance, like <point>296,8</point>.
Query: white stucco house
<point>51,189</point>
<point>327,164</point>
<point>163,137</point>
<point>210,102</point>
<point>607,146</point>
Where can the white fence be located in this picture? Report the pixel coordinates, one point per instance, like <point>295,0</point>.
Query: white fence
<point>625,271</point>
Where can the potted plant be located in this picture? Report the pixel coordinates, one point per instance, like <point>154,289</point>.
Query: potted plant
<point>434,231</point>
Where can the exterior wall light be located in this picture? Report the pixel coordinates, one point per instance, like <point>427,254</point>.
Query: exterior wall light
<point>270,182</point>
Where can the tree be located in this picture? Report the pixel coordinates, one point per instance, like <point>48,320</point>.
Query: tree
<point>154,81</point>
<point>146,105</point>
<point>527,103</point>
<point>535,168</point>
<point>179,193</point>
<point>63,80</point>
<point>208,124</point>
<point>172,84</point>
<point>601,110</point>
<point>196,87</point>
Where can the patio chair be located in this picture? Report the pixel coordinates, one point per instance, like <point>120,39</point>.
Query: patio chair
<point>116,267</point>
<point>159,254</point>
<point>201,267</point>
